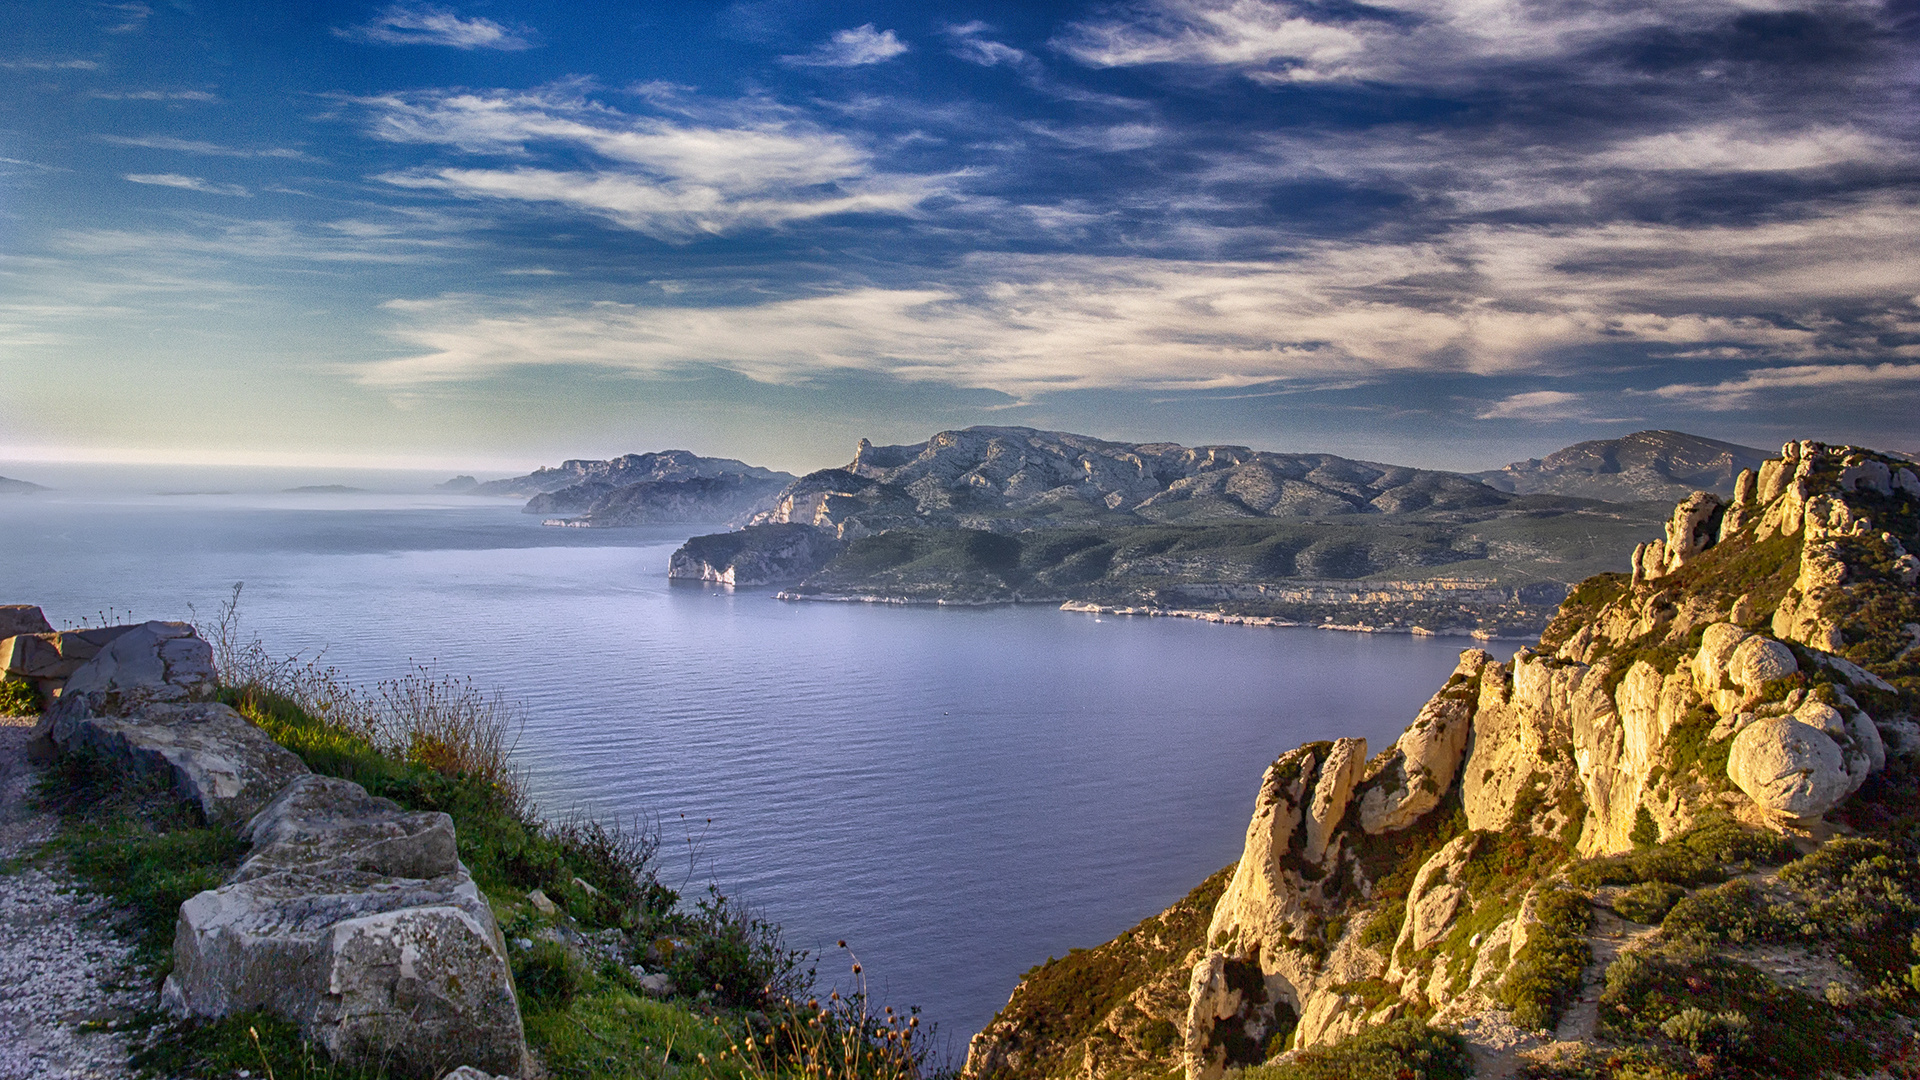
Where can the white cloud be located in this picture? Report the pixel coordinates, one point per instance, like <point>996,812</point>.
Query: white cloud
<point>153,95</point>
<point>968,45</point>
<point>1721,147</point>
<point>1487,300</point>
<point>189,183</point>
<point>1545,405</point>
<point>196,146</point>
<point>1800,379</point>
<point>851,48</point>
<point>1408,40</point>
<point>48,65</point>
<point>671,180</point>
<point>428,24</point>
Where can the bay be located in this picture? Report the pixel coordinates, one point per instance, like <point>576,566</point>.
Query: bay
<point>959,793</point>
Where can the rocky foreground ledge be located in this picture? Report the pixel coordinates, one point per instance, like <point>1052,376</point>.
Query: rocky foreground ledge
<point>1674,838</point>
<point>349,916</point>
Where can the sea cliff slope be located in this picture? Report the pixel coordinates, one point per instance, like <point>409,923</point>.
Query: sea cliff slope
<point>1680,832</point>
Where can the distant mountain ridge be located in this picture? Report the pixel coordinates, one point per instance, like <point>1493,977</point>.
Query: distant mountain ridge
<point>664,465</point>
<point>18,487</point>
<point>1646,466</point>
<point>1013,478</point>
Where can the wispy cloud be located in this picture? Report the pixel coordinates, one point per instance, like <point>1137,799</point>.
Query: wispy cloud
<point>1724,147</point>
<point>851,48</point>
<point>670,179</point>
<point>49,65</point>
<point>124,18</point>
<point>196,146</point>
<point>1799,379</point>
<point>189,183</point>
<point>1482,300</point>
<point>428,24</point>
<point>1546,406</point>
<point>153,95</point>
<point>970,43</point>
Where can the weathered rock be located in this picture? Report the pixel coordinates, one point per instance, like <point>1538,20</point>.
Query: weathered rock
<point>1262,901</point>
<point>1694,527</point>
<point>1716,649</point>
<point>1867,475</point>
<point>1788,767</point>
<point>155,661</point>
<point>1331,792</point>
<point>1757,661</point>
<point>356,920</point>
<point>321,824</point>
<point>1436,895</point>
<point>214,757</point>
<point>22,619</point>
<point>1210,1001</point>
<point>1426,757</point>
<point>468,1072</point>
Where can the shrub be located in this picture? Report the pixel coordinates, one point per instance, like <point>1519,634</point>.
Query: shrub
<point>1404,1049</point>
<point>1674,863</point>
<point>18,697</point>
<point>1733,912</point>
<point>1649,901</point>
<point>549,973</point>
<point>737,956</point>
<point>1727,841</point>
<point>240,1045</point>
<point>1703,1032</point>
<point>1547,971</point>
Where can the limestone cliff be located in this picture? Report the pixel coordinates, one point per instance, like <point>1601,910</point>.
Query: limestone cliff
<point>1753,679</point>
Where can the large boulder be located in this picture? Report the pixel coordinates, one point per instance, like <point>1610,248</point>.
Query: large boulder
<point>22,619</point>
<point>212,755</point>
<point>356,920</point>
<point>1757,661</point>
<point>155,661</point>
<point>1425,758</point>
<point>1789,767</point>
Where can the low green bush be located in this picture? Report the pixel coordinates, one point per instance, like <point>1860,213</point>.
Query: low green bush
<point>18,697</point>
<point>1404,1049</point>
<point>1649,901</point>
<point>1546,973</point>
<point>250,1043</point>
<point>550,974</point>
<point>1733,912</point>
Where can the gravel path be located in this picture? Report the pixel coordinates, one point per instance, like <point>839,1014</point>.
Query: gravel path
<point>60,968</point>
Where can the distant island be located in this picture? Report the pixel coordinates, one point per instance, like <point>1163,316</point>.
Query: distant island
<point>323,489</point>
<point>18,487</point>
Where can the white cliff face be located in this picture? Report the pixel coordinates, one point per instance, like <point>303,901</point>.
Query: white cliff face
<point>1580,741</point>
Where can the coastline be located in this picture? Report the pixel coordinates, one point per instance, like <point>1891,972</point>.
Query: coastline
<point>1086,607</point>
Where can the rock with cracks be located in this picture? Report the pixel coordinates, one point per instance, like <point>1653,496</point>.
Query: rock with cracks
<point>356,920</point>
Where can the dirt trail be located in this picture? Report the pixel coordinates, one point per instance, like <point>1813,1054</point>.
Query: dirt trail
<point>60,967</point>
<point>1611,936</point>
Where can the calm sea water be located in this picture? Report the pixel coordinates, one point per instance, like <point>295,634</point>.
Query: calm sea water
<point>959,793</point>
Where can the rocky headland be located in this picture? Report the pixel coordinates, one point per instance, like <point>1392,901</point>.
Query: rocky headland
<point>670,487</point>
<point>1016,515</point>
<point>1676,837</point>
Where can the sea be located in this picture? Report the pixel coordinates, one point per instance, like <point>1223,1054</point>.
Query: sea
<point>957,793</point>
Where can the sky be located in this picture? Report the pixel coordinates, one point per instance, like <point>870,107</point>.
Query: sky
<point>490,235</point>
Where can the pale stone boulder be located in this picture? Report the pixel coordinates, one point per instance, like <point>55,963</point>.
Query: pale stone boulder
<point>212,755</point>
<point>156,661</point>
<point>1716,649</point>
<point>1789,767</point>
<point>1905,480</point>
<point>1868,475</point>
<point>1435,896</point>
<point>321,824</point>
<point>1759,660</point>
<point>357,921</point>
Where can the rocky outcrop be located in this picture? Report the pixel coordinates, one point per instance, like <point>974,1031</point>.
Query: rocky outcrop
<point>349,916</point>
<point>1756,669</point>
<point>216,759</point>
<point>356,920</point>
<point>756,555</point>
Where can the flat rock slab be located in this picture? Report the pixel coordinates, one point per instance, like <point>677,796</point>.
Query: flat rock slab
<point>22,619</point>
<point>355,919</point>
<point>213,755</point>
<point>155,661</point>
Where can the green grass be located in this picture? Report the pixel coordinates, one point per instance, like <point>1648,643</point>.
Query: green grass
<point>1404,1049</point>
<point>253,1043</point>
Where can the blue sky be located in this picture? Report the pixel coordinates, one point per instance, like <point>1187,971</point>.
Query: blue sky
<point>492,234</point>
